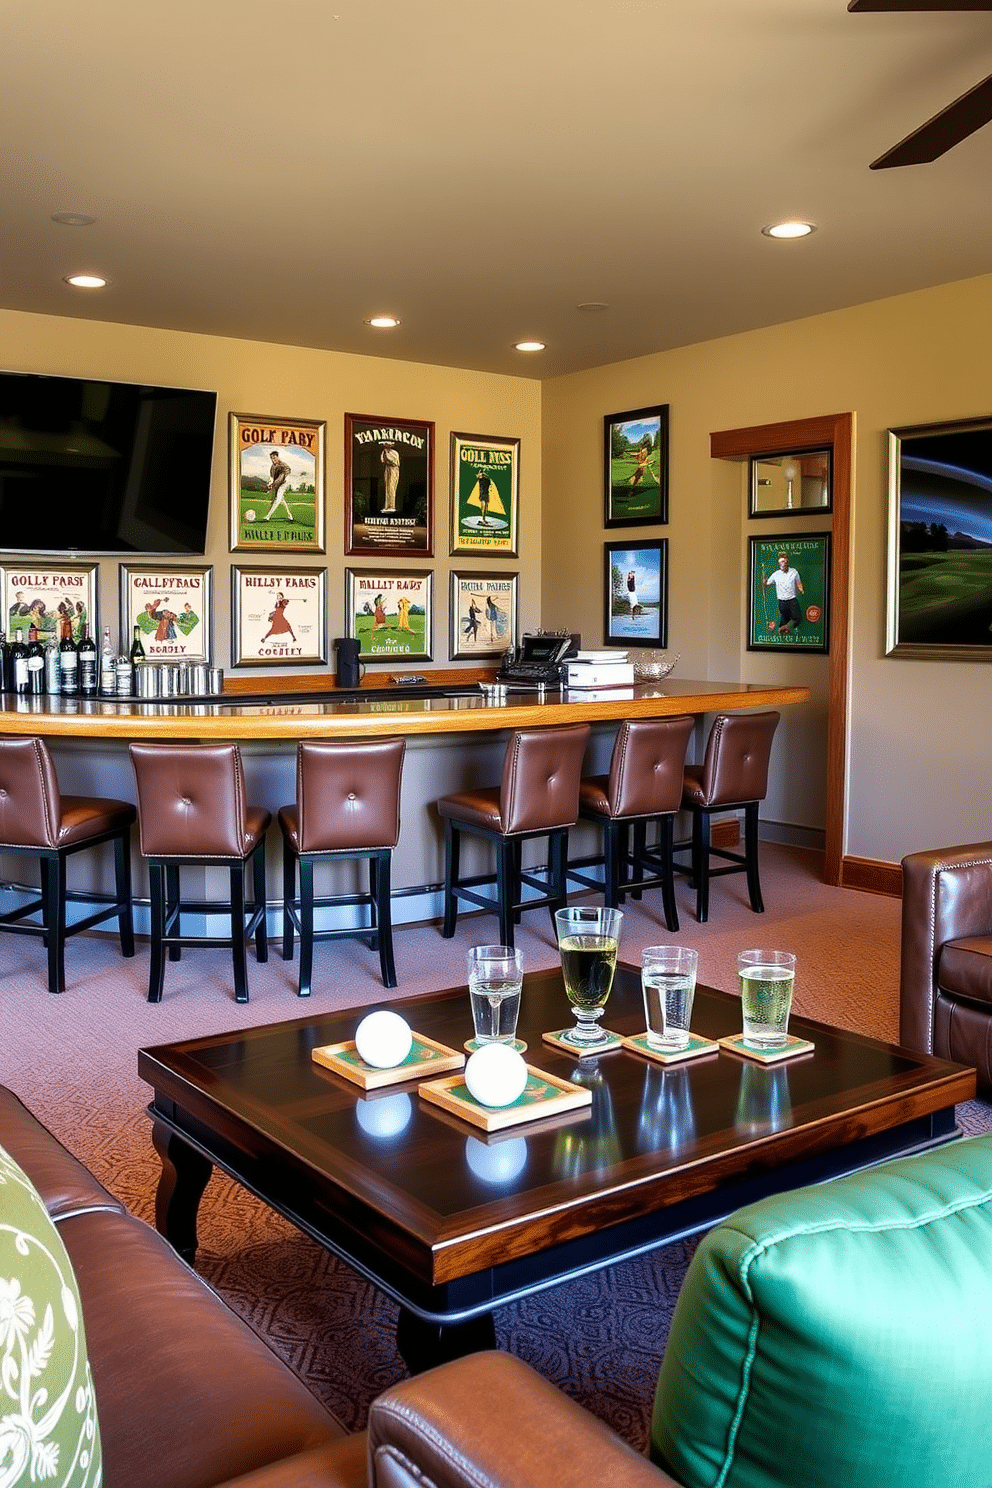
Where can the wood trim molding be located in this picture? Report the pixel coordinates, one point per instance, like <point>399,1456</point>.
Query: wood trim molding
<point>872,877</point>
<point>837,431</point>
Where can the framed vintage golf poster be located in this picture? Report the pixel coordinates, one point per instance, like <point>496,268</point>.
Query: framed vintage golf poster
<point>45,594</point>
<point>485,474</point>
<point>278,616</point>
<point>276,484</point>
<point>635,460</point>
<point>483,614</point>
<point>171,608</point>
<point>388,486</point>
<point>789,592</point>
<point>390,614</point>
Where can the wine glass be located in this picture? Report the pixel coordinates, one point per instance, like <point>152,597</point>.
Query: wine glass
<point>587,942</point>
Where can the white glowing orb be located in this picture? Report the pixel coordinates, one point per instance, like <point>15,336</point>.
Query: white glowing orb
<point>495,1075</point>
<point>383,1039</point>
<point>249,515</point>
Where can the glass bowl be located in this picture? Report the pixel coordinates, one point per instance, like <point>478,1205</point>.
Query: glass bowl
<point>651,666</point>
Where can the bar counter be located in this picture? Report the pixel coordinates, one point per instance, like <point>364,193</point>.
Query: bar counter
<point>286,713</point>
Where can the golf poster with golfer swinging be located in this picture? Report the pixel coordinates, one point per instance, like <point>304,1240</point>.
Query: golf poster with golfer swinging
<point>789,600</point>
<point>277,485</point>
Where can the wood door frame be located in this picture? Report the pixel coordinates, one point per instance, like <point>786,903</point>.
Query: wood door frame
<point>835,431</point>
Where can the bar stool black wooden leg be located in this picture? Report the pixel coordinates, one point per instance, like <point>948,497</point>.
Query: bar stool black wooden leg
<point>751,856</point>
<point>239,948</point>
<point>53,896</point>
<point>173,908</point>
<point>122,879</point>
<point>306,927</point>
<point>382,911</point>
<point>451,856</point>
<point>701,863</point>
<point>259,904</point>
<point>156,970</point>
<point>611,864</point>
<point>374,941</point>
<point>665,846</point>
<point>557,858</point>
<point>288,895</point>
<point>507,887</point>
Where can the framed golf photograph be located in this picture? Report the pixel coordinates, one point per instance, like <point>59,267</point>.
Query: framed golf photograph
<point>388,486</point>
<point>485,477</point>
<point>390,615</point>
<point>939,601</point>
<point>636,589</point>
<point>483,618</point>
<point>276,484</point>
<point>789,592</point>
<point>171,610</point>
<point>278,616</point>
<point>635,460</point>
<point>45,595</point>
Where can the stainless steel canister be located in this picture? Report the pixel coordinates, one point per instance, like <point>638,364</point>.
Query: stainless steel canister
<point>149,681</point>
<point>170,681</point>
<point>182,679</point>
<point>198,679</point>
<point>215,681</point>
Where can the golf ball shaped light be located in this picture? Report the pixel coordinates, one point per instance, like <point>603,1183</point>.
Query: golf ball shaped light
<point>495,1075</point>
<point>383,1040</point>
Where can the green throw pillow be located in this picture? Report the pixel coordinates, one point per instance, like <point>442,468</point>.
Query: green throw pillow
<point>49,1434</point>
<point>839,1335</point>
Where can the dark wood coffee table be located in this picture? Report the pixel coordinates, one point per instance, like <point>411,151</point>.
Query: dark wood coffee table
<point>452,1223</point>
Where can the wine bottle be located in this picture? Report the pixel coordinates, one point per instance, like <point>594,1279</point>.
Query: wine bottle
<point>36,663</point>
<point>137,649</point>
<point>69,657</point>
<point>19,663</point>
<point>124,676</point>
<point>87,664</point>
<point>108,666</point>
<point>53,667</point>
<point>6,679</point>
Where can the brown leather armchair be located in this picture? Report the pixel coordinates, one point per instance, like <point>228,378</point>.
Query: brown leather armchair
<point>945,989</point>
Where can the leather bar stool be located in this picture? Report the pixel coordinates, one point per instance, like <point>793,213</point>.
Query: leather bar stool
<point>192,811</point>
<point>644,786</point>
<point>347,806</point>
<point>538,797</point>
<point>733,776</point>
<point>36,820</point>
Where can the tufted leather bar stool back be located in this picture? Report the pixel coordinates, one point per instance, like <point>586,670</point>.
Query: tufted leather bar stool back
<point>192,809</point>
<point>347,806</point>
<point>644,786</point>
<point>36,820</point>
<point>733,775</point>
<point>538,796</point>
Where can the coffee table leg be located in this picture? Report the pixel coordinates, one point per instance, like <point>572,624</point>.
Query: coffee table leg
<point>184,1177</point>
<point>422,1345</point>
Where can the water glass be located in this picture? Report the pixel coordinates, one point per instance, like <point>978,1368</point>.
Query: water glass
<point>668,981</point>
<point>767,981</point>
<point>495,976</point>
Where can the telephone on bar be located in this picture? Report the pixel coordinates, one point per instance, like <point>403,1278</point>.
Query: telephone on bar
<point>537,662</point>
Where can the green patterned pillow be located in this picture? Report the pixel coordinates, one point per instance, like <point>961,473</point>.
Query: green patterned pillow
<point>49,1434</point>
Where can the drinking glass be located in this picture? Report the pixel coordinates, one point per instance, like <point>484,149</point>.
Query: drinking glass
<point>495,976</point>
<point>587,942</point>
<point>767,980</point>
<point>668,981</point>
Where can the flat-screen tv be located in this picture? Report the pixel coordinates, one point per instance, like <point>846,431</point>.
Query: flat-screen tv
<point>103,467</point>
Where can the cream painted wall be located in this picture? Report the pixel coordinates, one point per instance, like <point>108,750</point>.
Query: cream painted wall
<point>254,377</point>
<point>918,772</point>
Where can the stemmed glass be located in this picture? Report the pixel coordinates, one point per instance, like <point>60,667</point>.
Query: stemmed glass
<point>588,937</point>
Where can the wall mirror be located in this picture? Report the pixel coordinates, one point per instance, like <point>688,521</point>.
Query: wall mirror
<point>794,481</point>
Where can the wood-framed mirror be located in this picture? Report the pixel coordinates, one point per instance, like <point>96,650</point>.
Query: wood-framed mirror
<point>795,481</point>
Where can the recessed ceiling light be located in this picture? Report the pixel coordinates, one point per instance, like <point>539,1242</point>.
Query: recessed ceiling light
<point>528,346</point>
<point>85,281</point>
<point>383,322</point>
<point>789,230</point>
<point>73,219</point>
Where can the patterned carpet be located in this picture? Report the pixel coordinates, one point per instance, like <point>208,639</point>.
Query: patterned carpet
<point>72,1059</point>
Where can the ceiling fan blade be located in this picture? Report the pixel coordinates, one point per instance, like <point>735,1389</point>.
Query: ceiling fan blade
<point>973,110</point>
<point>934,7</point>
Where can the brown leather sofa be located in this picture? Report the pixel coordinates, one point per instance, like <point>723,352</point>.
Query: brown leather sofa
<point>187,1395</point>
<point>945,990</point>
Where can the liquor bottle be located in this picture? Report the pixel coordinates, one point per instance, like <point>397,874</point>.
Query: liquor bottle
<point>137,649</point>
<point>124,676</point>
<point>53,667</point>
<point>6,675</point>
<point>87,664</point>
<point>108,666</point>
<point>36,663</point>
<point>69,657</point>
<point>19,663</point>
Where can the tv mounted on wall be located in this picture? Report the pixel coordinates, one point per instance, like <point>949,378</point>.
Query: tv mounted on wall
<point>103,467</point>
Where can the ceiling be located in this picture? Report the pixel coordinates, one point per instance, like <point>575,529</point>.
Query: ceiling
<point>283,169</point>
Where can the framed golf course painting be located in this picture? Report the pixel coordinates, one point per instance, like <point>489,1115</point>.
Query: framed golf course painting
<point>276,485</point>
<point>636,588</point>
<point>789,592</point>
<point>390,615</point>
<point>635,457</point>
<point>940,542</point>
<point>485,474</point>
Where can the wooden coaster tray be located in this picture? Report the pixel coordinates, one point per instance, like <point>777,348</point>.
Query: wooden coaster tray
<point>790,1049</point>
<point>544,1095</point>
<point>695,1049</point>
<point>426,1057</point>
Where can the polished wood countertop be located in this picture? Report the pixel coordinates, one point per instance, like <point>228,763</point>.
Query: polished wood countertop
<point>298,708</point>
